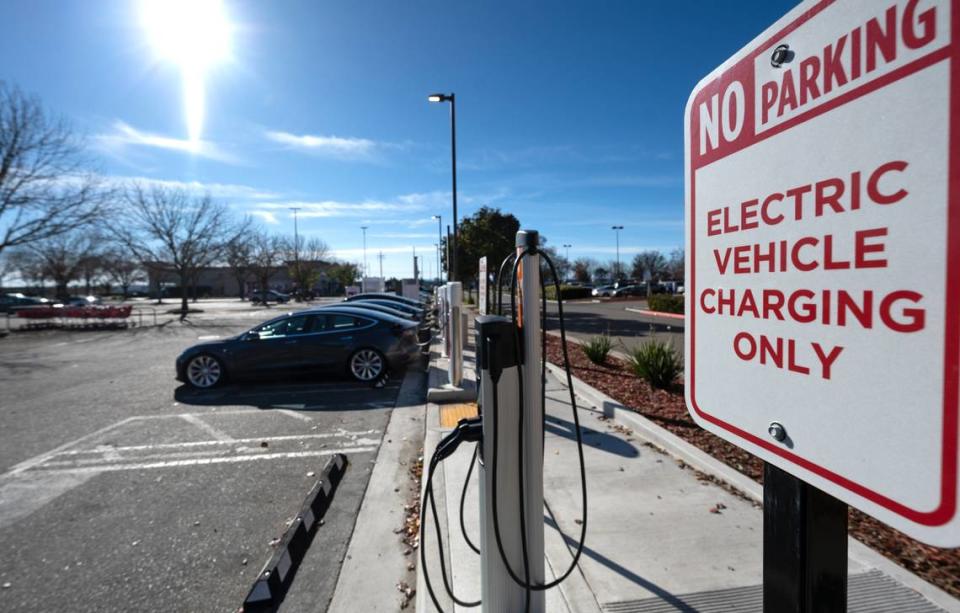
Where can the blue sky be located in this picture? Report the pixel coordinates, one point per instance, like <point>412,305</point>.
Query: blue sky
<point>569,114</point>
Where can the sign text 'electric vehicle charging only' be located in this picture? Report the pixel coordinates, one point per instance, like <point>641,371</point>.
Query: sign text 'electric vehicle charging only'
<point>823,245</point>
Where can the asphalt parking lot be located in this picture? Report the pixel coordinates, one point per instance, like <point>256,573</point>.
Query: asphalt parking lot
<point>121,489</point>
<point>585,319</point>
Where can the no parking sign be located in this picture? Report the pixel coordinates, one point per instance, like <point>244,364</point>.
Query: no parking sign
<point>823,231</point>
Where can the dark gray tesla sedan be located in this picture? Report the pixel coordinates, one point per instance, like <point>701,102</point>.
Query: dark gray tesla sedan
<point>359,342</point>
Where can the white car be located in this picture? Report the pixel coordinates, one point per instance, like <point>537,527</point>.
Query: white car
<point>605,291</point>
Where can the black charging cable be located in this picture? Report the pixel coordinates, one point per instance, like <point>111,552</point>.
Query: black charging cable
<point>467,430</point>
<point>471,430</point>
<point>576,420</point>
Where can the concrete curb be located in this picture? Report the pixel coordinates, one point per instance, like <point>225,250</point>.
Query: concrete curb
<point>374,562</point>
<point>655,313</point>
<point>277,575</point>
<point>706,463</point>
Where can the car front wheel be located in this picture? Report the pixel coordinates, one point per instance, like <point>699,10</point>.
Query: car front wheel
<point>367,365</point>
<point>204,371</point>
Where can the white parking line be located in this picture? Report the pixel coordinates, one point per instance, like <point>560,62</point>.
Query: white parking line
<point>43,457</point>
<point>217,434</point>
<point>208,461</point>
<point>295,415</point>
<point>269,439</point>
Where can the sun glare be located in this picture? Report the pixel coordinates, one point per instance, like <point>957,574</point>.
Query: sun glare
<point>195,35</point>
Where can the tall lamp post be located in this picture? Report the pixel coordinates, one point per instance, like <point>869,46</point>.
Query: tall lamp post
<point>567,251</point>
<point>364,228</point>
<point>451,98</point>
<point>439,219</point>
<point>296,246</point>
<point>617,229</point>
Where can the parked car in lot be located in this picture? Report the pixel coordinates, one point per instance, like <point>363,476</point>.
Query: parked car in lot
<point>385,296</point>
<point>82,300</point>
<point>272,295</point>
<point>604,291</point>
<point>416,311</point>
<point>11,302</point>
<point>359,342</point>
<point>629,290</point>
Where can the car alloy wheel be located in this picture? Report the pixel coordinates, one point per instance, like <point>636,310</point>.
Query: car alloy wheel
<point>204,371</point>
<point>366,365</point>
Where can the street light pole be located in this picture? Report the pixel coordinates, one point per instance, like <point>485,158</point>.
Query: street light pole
<point>364,228</point>
<point>452,99</point>
<point>617,229</point>
<point>296,246</point>
<point>439,219</point>
<point>567,248</point>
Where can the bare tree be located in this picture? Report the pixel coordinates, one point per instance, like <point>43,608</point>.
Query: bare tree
<point>168,228</point>
<point>45,187</point>
<point>305,261</point>
<point>582,268</point>
<point>121,269</point>
<point>239,257</point>
<point>268,252</point>
<point>676,264</point>
<point>650,264</point>
<point>64,256</point>
<point>28,266</point>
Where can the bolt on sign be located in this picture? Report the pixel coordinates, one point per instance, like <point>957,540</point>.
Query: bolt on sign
<point>823,231</point>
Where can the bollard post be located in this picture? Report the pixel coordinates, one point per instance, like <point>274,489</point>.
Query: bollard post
<point>455,334</point>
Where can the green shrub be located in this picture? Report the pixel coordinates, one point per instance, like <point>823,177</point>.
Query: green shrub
<point>567,292</point>
<point>597,348</point>
<point>657,362</point>
<point>666,303</point>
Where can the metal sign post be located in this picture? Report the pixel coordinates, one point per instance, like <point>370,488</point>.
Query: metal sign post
<point>804,546</point>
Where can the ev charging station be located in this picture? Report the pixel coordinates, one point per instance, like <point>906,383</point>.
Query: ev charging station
<point>453,338</point>
<point>509,433</point>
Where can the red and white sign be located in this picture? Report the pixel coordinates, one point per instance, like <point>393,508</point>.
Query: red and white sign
<point>823,237</point>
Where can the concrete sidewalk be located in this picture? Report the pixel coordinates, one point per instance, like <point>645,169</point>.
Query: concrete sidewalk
<point>666,532</point>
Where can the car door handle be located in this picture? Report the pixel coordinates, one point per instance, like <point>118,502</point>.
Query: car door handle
<point>346,338</point>
<point>290,342</point>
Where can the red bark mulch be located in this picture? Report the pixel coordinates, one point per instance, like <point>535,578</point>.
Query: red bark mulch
<point>667,409</point>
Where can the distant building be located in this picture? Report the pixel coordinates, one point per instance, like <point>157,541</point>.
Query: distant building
<point>221,281</point>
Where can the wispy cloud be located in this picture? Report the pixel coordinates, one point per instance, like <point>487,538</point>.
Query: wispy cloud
<point>267,216</point>
<point>124,135</point>
<point>349,148</point>
<point>406,203</point>
<point>228,191</point>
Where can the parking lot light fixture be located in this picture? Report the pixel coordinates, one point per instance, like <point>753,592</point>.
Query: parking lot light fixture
<point>616,274</point>
<point>452,250</point>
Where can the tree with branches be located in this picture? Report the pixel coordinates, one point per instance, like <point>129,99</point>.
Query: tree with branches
<point>305,261</point>
<point>64,257</point>
<point>46,188</point>
<point>650,265</point>
<point>239,257</point>
<point>344,273</point>
<point>121,270</point>
<point>168,228</point>
<point>267,256</point>
<point>581,270</point>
